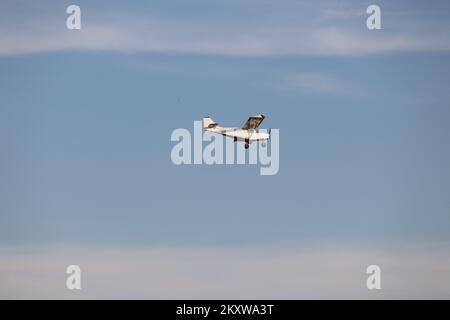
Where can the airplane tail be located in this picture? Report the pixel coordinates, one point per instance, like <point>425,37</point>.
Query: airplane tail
<point>209,123</point>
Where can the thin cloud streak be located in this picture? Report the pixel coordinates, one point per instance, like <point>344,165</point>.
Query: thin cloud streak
<point>153,35</point>
<point>312,82</point>
<point>38,272</point>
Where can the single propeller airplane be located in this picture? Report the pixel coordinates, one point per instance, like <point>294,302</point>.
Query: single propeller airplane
<point>247,133</point>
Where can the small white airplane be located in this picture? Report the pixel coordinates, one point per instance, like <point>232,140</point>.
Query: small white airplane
<point>247,133</point>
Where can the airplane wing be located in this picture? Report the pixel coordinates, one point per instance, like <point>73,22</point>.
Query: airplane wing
<point>253,122</point>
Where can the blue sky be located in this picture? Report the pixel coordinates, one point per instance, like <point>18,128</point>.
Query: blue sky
<point>86,118</point>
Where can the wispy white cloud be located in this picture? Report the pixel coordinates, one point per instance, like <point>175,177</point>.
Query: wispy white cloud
<point>323,36</point>
<point>195,273</point>
<point>314,82</point>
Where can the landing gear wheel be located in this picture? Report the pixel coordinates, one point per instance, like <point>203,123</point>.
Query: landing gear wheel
<point>246,146</point>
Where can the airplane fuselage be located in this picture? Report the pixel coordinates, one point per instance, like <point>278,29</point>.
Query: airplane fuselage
<point>240,134</point>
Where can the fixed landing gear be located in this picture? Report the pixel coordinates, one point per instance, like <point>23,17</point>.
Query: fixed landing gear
<point>247,143</point>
